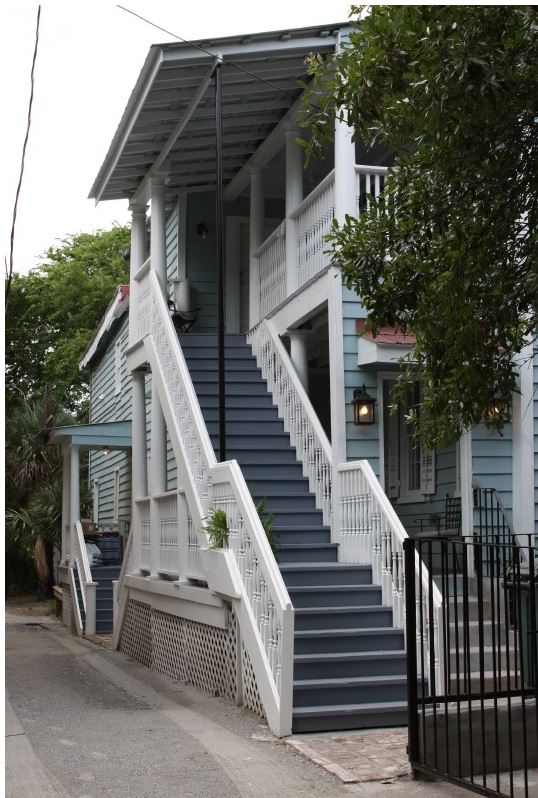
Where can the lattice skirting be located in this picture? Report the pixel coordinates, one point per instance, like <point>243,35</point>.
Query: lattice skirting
<point>67,606</point>
<point>195,653</point>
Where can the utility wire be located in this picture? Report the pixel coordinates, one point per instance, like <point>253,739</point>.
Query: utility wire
<point>207,52</point>
<point>9,271</point>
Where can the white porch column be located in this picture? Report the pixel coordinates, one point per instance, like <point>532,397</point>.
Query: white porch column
<point>466,487</point>
<point>299,354</point>
<point>158,476</point>
<point>158,231</point>
<point>294,195</point>
<point>138,238</point>
<point>523,450</point>
<point>66,503</point>
<point>74,498</point>
<point>139,462</point>
<point>257,223</point>
<point>344,202</point>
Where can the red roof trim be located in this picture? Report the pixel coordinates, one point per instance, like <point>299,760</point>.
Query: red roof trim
<point>386,335</point>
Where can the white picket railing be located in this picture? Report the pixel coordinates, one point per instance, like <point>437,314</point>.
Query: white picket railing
<point>313,218</point>
<point>266,623</point>
<point>87,585</point>
<point>368,531</point>
<point>119,596</point>
<point>144,516</point>
<point>169,533</point>
<point>369,182</point>
<point>271,257</point>
<point>294,407</point>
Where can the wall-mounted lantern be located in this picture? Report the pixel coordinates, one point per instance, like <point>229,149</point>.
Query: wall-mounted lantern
<point>363,406</point>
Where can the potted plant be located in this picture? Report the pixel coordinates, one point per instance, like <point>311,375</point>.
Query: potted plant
<point>218,561</point>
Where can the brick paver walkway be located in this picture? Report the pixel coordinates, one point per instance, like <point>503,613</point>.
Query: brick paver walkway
<point>357,756</point>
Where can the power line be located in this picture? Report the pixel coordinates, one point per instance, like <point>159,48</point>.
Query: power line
<point>9,271</point>
<point>207,52</point>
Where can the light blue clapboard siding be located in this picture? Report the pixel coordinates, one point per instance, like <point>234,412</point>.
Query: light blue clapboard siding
<point>535,418</point>
<point>445,483</point>
<point>107,405</point>
<point>492,462</point>
<point>362,442</point>
<point>201,259</point>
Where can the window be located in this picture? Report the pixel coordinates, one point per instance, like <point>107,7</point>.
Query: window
<point>95,501</point>
<point>409,468</point>
<point>116,497</point>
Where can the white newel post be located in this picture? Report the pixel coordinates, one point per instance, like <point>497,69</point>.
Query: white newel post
<point>294,195</point>
<point>257,221</point>
<point>139,462</point>
<point>138,251</point>
<point>344,203</point>
<point>523,449</point>
<point>74,499</point>
<point>466,488</point>
<point>66,499</point>
<point>158,232</point>
<point>299,354</point>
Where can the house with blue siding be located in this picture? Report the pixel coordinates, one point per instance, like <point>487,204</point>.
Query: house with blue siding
<point>256,408</point>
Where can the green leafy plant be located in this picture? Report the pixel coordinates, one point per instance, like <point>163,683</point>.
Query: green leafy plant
<point>267,522</point>
<point>217,529</point>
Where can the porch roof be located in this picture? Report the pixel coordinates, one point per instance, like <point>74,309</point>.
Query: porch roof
<point>107,435</point>
<point>168,125</point>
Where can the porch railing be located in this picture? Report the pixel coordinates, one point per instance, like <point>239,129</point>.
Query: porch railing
<point>271,257</point>
<point>144,515</point>
<point>266,626</point>
<point>313,218</point>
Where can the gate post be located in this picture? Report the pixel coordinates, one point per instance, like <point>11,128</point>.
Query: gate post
<point>411,645</point>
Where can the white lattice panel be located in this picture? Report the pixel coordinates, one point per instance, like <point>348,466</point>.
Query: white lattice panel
<point>201,655</point>
<point>251,695</point>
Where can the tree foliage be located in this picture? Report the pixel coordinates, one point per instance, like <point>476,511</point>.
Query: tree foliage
<point>53,312</point>
<point>449,250</point>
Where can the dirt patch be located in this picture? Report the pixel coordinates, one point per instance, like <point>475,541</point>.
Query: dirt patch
<point>27,605</point>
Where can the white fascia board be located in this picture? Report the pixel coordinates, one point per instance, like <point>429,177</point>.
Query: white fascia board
<point>372,354</point>
<point>115,310</point>
<point>130,115</point>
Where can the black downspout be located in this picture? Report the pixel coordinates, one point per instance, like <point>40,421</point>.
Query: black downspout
<point>220,262</point>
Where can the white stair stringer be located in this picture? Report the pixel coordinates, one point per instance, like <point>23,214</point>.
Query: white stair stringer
<point>257,590</point>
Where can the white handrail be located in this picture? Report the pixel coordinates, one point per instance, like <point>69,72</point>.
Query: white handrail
<point>264,610</point>
<point>294,407</point>
<point>87,585</point>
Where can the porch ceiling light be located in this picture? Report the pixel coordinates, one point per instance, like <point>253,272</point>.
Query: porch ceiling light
<point>363,406</point>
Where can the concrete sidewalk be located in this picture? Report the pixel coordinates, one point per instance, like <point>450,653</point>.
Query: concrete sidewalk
<point>85,722</point>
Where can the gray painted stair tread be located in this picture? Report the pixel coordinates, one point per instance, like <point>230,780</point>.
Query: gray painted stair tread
<point>332,610</point>
<point>332,588</point>
<point>350,709</point>
<point>347,656</point>
<point>348,681</point>
<point>305,546</point>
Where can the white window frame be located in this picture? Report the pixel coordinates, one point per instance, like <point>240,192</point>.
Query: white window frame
<point>116,495</point>
<point>95,501</point>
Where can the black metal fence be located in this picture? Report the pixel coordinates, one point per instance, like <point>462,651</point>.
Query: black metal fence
<point>473,694</point>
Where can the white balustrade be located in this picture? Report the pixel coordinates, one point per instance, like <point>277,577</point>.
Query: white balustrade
<point>271,257</point>
<point>368,531</point>
<point>144,512</point>
<point>313,218</point>
<point>264,609</point>
<point>144,300</point>
<point>294,407</point>
<point>369,182</point>
<point>169,532</point>
<point>119,596</point>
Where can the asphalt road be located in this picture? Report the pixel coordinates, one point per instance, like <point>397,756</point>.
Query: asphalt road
<point>83,722</point>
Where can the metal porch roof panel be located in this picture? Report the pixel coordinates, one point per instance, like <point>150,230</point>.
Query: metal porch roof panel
<point>175,79</point>
<point>106,435</point>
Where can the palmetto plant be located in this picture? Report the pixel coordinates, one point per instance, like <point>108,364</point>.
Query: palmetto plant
<point>33,491</point>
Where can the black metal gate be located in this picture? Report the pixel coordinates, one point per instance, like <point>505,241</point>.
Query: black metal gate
<point>473,694</point>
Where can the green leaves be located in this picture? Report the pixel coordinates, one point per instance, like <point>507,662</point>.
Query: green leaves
<point>449,251</point>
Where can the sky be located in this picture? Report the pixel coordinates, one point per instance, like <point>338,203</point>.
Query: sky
<point>89,56</point>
